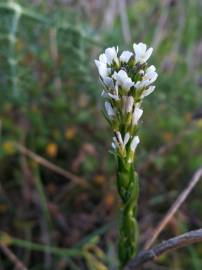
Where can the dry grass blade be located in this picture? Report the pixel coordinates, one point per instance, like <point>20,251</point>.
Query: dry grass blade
<point>176,205</point>
<point>42,161</point>
<point>17,263</point>
<point>124,21</point>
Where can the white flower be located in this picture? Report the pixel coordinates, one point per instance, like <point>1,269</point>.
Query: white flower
<point>151,68</point>
<point>115,93</point>
<point>148,91</point>
<point>105,94</point>
<point>109,109</point>
<point>150,74</point>
<point>115,97</point>
<point>119,137</point>
<point>103,58</point>
<point>108,82</point>
<point>141,52</point>
<point>136,115</point>
<point>102,66</point>
<point>149,77</point>
<point>142,84</point>
<point>134,143</point>
<point>119,142</point>
<point>128,102</point>
<point>113,145</point>
<point>123,80</point>
<point>125,56</point>
<point>111,55</point>
<point>126,139</point>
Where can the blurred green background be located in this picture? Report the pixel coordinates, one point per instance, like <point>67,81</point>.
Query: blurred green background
<point>58,202</point>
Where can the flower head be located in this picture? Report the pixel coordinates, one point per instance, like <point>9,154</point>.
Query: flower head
<point>127,79</point>
<point>142,54</point>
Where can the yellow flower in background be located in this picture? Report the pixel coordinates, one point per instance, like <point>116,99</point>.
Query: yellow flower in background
<point>5,239</point>
<point>167,136</point>
<point>109,199</point>
<point>8,147</point>
<point>52,150</point>
<point>70,133</point>
<point>99,179</point>
<point>199,123</point>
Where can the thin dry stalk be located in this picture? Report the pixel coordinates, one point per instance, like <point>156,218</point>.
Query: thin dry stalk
<point>124,21</point>
<point>160,29</point>
<point>110,15</point>
<point>44,162</point>
<point>171,244</point>
<point>12,257</point>
<point>176,205</point>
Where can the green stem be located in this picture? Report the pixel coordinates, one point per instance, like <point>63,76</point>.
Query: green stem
<point>128,187</point>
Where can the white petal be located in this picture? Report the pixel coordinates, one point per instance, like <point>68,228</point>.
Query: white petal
<point>114,140</point>
<point>116,90</point>
<point>103,58</point>
<point>119,137</point>
<point>102,68</point>
<point>139,48</point>
<point>141,52</point>
<point>142,84</point>
<point>111,55</point>
<point>134,143</point>
<point>125,56</point>
<point>115,97</point>
<point>129,104</point>
<point>151,68</point>
<point>108,82</point>
<point>109,109</point>
<point>137,115</point>
<point>126,138</point>
<point>150,74</point>
<point>123,80</point>
<point>113,145</point>
<point>148,54</point>
<point>142,47</point>
<point>148,91</point>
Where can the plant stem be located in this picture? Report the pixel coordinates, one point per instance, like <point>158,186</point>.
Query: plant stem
<point>128,187</point>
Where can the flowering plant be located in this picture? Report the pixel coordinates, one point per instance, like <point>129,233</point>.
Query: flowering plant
<point>127,79</point>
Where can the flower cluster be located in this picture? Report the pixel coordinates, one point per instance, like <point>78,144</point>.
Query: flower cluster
<point>126,80</point>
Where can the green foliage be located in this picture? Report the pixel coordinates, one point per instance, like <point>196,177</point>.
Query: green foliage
<point>48,101</point>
